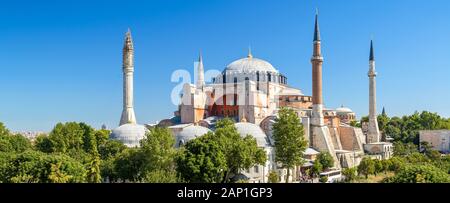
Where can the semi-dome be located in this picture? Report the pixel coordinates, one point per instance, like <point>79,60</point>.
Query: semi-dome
<point>190,133</point>
<point>250,64</point>
<point>129,134</point>
<point>253,130</point>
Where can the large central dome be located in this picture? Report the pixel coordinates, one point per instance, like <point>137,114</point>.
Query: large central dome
<point>250,64</point>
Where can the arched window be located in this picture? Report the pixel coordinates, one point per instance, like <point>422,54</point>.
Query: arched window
<point>181,143</point>
<point>235,92</point>
<point>257,80</point>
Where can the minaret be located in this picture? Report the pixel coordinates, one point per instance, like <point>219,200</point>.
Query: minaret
<point>128,69</point>
<point>317,61</point>
<point>373,134</point>
<point>200,73</point>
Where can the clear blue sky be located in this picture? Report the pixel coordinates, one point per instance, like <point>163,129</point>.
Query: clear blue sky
<point>61,60</point>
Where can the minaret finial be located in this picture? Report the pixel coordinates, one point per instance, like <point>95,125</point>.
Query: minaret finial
<point>316,27</point>
<point>371,57</point>
<point>250,52</point>
<point>128,40</point>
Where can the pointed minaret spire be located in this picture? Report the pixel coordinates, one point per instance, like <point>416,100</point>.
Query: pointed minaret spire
<point>317,61</point>
<point>316,28</point>
<point>250,52</point>
<point>200,72</point>
<point>373,133</point>
<point>372,57</point>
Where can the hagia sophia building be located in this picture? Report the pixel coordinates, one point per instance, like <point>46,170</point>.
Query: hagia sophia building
<point>251,91</point>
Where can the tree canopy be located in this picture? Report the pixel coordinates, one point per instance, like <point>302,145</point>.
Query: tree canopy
<point>218,156</point>
<point>290,142</point>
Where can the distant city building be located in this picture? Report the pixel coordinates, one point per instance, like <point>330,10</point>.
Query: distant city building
<point>438,139</point>
<point>31,135</point>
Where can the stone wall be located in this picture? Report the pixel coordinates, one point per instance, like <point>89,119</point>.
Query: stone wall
<point>438,139</point>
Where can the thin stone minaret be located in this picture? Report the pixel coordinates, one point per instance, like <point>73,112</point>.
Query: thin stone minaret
<point>373,134</point>
<point>200,73</point>
<point>128,69</point>
<point>317,61</point>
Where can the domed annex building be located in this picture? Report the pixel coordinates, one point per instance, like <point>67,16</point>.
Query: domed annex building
<point>251,91</point>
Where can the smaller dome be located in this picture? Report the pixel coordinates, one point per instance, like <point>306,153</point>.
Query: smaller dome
<point>343,109</point>
<point>250,64</point>
<point>189,133</point>
<point>129,134</point>
<point>255,131</point>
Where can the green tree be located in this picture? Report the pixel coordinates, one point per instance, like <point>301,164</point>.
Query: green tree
<point>317,168</point>
<point>12,143</point>
<point>102,136</point>
<point>66,136</point>
<point>273,177</point>
<point>350,174</point>
<point>56,175</point>
<point>323,179</point>
<point>396,163</point>
<point>417,158</point>
<point>366,167</point>
<point>93,169</point>
<point>43,143</point>
<point>38,167</point>
<point>159,153</point>
<point>5,145</point>
<point>107,170</point>
<point>419,174</point>
<point>89,139</point>
<point>428,150</point>
<point>326,160</point>
<point>402,149</point>
<point>240,152</point>
<point>219,156</point>
<point>161,176</point>
<point>110,149</point>
<point>289,139</point>
<point>355,123</point>
<point>202,160</point>
<point>158,149</point>
<point>19,143</point>
<point>3,130</point>
<point>128,165</point>
<point>383,120</point>
<point>378,166</point>
<point>387,163</point>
